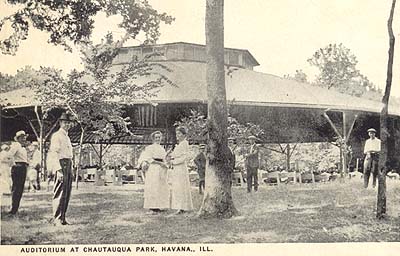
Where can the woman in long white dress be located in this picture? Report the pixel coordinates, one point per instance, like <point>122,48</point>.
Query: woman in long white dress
<point>6,162</point>
<point>181,197</point>
<point>156,191</point>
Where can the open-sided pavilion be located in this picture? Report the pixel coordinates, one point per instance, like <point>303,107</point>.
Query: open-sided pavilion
<point>288,111</point>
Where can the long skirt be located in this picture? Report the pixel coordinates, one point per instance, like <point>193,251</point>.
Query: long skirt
<point>181,197</point>
<point>5,178</point>
<point>156,192</point>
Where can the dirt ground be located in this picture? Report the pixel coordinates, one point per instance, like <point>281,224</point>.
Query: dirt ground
<point>330,212</point>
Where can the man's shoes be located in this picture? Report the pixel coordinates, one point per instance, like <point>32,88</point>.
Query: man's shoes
<point>59,223</point>
<point>64,223</point>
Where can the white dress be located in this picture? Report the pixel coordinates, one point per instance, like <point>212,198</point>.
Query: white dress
<point>181,198</point>
<point>156,192</point>
<point>5,172</point>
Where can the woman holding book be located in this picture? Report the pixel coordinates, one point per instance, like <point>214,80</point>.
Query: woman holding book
<point>152,161</point>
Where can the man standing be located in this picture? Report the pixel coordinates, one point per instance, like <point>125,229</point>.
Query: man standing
<point>232,156</point>
<point>200,162</point>
<point>371,150</point>
<point>18,170</point>
<point>61,149</point>
<point>252,164</point>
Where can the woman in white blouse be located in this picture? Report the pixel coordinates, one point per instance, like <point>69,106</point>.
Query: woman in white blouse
<point>156,191</point>
<point>181,198</point>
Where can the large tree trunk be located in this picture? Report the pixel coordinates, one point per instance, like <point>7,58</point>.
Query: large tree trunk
<point>217,201</point>
<point>384,133</point>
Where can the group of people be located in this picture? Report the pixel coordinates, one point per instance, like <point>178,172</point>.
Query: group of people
<point>167,184</point>
<point>166,175</point>
<point>20,163</point>
<point>252,163</point>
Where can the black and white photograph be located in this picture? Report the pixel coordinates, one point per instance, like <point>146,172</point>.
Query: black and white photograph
<point>175,127</point>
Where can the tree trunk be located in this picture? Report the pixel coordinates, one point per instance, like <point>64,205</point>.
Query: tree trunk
<point>287,157</point>
<point>217,201</point>
<point>384,132</point>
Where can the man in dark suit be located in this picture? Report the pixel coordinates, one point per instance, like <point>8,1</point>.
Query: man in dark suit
<point>232,157</point>
<point>200,162</point>
<point>252,164</point>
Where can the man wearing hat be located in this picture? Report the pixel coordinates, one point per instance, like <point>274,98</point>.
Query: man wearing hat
<point>61,149</point>
<point>252,164</point>
<point>200,162</point>
<point>18,170</point>
<point>371,150</point>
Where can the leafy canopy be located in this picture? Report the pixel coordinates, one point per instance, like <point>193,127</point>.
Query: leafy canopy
<point>196,124</point>
<point>337,67</point>
<point>73,20</point>
<point>96,95</point>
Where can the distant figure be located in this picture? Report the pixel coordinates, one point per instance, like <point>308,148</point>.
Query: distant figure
<point>156,191</point>
<point>18,170</point>
<point>252,164</point>
<point>34,166</point>
<point>181,199</point>
<point>6,162</point>
<point>232,156</point>
<point>61,151</point>
<point>371,150</point>
<point>200,162</point>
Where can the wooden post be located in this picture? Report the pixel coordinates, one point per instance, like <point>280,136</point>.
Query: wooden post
<point>97,176</point>
<point>357,163</point>
<point>287,157</point>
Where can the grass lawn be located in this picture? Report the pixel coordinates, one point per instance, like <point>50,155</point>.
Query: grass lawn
<point>331,212</point>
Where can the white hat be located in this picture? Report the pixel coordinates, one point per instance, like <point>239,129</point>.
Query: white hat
<point>19,134</point>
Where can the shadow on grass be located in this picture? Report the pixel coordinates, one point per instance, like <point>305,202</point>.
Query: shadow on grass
<point>318,213</point>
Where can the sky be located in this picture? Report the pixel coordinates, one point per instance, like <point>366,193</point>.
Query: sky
<point>281,35</point>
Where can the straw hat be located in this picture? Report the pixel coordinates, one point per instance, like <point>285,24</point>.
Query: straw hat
<point>65,117</point>
<point>20,134</point>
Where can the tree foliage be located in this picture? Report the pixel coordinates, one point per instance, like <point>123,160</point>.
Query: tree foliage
<point>337,67</point>
<point>336,63</point>
<point>24,77</point>
<point>73,20</point>
<point>196,123</point>
<point>95,94</point>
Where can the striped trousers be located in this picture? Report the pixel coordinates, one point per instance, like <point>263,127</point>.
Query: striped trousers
<point>62,190</point>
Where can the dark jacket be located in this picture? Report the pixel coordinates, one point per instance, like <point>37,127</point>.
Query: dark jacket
<point>200,162</point>
<point>232,160</point>
<point>252,160</point>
